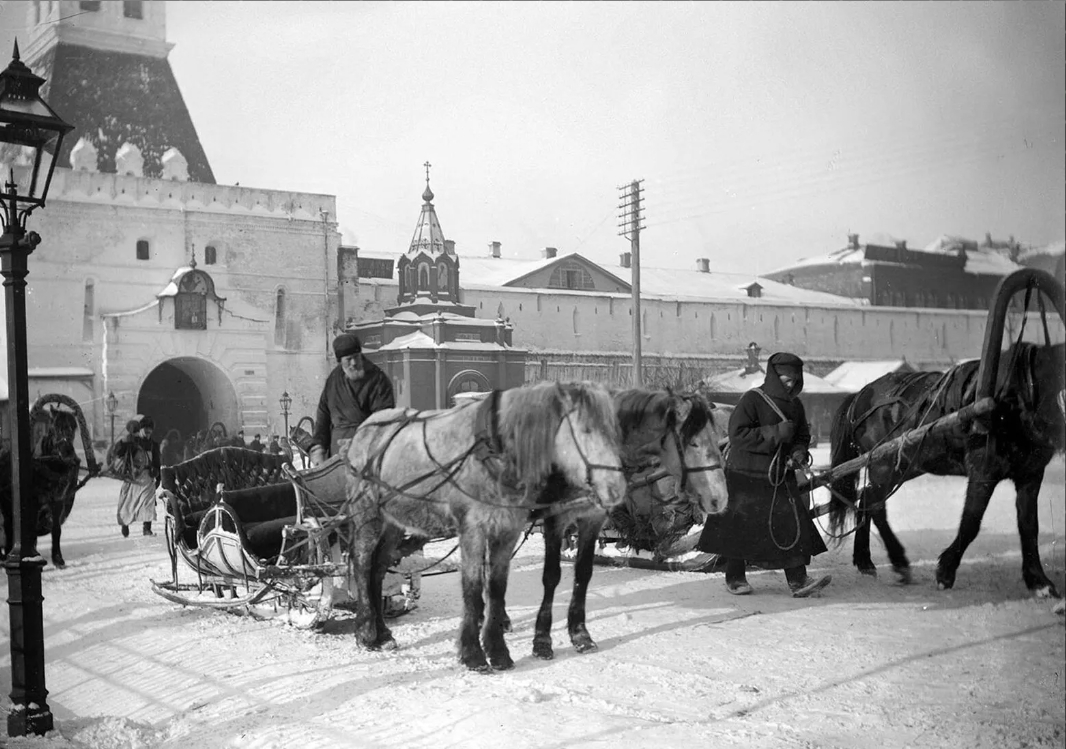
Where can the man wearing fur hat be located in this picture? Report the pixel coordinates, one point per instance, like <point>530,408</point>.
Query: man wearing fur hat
<point>768,521</point>
<point>354,389</point>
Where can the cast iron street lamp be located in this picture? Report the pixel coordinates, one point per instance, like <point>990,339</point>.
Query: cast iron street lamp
<point>31,135</point>
<point>112,406</point>
<point>286,401</point>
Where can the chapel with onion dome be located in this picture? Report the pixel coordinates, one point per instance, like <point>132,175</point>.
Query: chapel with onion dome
<point>433,347</point>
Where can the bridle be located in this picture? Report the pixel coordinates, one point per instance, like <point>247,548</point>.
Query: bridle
<point>589,465</point>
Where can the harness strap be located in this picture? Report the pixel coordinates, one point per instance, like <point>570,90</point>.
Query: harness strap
<point>770,402</point>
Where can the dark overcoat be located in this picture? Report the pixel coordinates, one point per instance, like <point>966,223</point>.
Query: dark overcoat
<point>767,521</point>
<point>345,405</point>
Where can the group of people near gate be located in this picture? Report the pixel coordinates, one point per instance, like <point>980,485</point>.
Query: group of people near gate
<point>767,523</point>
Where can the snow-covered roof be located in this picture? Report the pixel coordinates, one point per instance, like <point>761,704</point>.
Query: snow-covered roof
<point>671,283</point>
<point>853,376</point>
<point>979,259</point>
<point>419,340</point>
<point>1053,249</point>
<point>740,381</point>
<point>59,372</point>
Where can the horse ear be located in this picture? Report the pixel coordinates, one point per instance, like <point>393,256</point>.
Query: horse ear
<point>682,408</point>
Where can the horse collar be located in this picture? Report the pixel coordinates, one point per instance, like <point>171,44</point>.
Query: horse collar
<point>487,424</point>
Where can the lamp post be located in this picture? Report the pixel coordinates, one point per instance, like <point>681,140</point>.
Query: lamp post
<point>286,402</point>
<point>112,406</point>
<point>31,135</point>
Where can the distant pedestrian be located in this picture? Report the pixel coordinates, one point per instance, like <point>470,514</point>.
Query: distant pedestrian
<point>274,448</point>
<point>171,449</point>
<point>257,444</point>
<point>136,500</point>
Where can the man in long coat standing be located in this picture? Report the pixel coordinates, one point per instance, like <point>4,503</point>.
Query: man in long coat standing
<point>768,521</point>
<point>136,499</point>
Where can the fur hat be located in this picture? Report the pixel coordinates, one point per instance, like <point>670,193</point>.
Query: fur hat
<point>146,422</point>
<point>346,344</point>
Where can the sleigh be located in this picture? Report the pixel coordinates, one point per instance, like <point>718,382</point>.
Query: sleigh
<point>244,528</point>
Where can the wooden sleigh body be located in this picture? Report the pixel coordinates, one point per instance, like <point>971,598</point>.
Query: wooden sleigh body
<point>243,527</point>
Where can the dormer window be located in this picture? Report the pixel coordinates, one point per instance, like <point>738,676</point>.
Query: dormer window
<point>571,276</point>
<point>132,9</point>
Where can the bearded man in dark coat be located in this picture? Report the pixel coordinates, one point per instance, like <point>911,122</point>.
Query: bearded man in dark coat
<point>768,521</point>
<point>354,389</point>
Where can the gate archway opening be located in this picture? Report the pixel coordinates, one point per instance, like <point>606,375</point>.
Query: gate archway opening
<point>188,394</point>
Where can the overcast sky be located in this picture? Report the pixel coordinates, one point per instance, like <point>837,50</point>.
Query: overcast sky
<point>763,132</point>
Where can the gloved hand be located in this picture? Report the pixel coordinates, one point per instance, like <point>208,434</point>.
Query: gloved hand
<point>786,430</point>
<point>318,455</point>
<point>800,457</point>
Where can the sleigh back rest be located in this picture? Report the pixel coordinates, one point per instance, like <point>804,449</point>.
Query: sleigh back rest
<point>194,483</point>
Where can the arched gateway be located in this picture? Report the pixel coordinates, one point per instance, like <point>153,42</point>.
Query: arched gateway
<point>188,394</point>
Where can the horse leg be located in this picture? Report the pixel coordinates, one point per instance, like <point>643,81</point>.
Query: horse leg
<point>57,551</point>
<point>553,545</point>
<point>588,532</point>
<point>860,553</point>
<point>500,549</point>
<point>978,492</point>
<point>472,548</point>
<point>896,554</point>
<point>1028,490</point>
<point>366,533</point>
<point>383,556</point>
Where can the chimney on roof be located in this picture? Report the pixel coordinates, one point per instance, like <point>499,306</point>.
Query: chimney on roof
<point>901,244</point>
<point>495,246</point>
<point>549,252</point>
<point>853,241</point>
<point>626,260</point>
<point>752,365</point>
<point>449,246</point>
<point>988,239</point>
<point>703,264</point>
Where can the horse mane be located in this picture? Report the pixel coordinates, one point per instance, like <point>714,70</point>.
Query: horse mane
<point>530,417</point>
<point>699,416</point>
<point>634,406</point>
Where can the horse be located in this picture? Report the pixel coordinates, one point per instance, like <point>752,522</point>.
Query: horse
<point>1027,429</point>
<point>659,429</point>
<point>475,471</point>
<point>54,472</point>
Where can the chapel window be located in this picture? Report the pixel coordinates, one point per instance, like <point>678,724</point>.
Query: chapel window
<point>89,6</point>
<point>133,9</point>
<point>210,255</point>
<point>88,310</point>
<point>142,249</point>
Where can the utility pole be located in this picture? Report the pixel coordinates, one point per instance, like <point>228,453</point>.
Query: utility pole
<point>631,221</point>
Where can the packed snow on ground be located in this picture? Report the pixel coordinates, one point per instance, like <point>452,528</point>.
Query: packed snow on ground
<point>681,663</point>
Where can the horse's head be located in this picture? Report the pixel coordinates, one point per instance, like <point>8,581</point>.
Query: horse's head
<point>673,434</point>
<point>568,427</point>
<point>697,435</point>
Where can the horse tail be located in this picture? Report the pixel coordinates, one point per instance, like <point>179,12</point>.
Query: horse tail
<point>842,448</point>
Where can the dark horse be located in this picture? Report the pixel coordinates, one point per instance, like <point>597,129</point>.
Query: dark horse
<point>54,472</point>
<point>1021,436</point>
<point>671,432</point>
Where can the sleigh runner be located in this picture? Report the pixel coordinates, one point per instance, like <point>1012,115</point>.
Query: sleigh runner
<point>243,527</point>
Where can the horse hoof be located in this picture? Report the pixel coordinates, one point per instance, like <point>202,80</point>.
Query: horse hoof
<point>384,645</point>
<point>1046,591</point>
<point>59,563</point>
<point>478,666</point>
<point>543,650</point>
<point>903,575</point>
<point>868,571</point>
<point>502,664</point>
<point>586,646</point>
